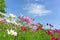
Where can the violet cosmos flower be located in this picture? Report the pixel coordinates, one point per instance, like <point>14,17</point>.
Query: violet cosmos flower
<point>58,38</point>
<point>21,16</point>
<point>47,24</point>
<point>53,38</point>
<point>51,25</point>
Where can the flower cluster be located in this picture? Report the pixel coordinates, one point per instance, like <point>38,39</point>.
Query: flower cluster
<point>25,23</point>
<point>26,19</point>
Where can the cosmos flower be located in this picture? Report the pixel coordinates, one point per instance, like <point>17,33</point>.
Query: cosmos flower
<point>7,20</point>
<point>53,38</point>
<point>12,32</point>
<point>50,33</point>
<point>12,15</point>
<point>51,25</point>
<point>2,20</point>
<point>24,28</point>
<point>58,38</point>
<point>18,24</point>
<point>35,28</point>
<point>10,21</point>
<point>47,24</point>
<point>57,31</point>
<point>31,26</point>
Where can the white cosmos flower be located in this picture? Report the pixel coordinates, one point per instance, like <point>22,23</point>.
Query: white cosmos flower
<point>8,20</point>
<point>12,32</point>
<point>12,15</point>
<point>15,33</point>
<point>12,22</point>
<point>18,24</point>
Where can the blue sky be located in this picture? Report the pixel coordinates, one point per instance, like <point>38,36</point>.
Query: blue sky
<point>43,11</point>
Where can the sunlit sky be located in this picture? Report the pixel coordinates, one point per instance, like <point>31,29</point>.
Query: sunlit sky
<point>43,11</point>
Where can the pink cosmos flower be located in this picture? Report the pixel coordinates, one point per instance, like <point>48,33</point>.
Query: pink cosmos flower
<point>2,20</point>
<point>27,19</point>
<point>31,26</point>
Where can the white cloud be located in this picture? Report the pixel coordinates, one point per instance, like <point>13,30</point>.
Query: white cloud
<point>37,9</point>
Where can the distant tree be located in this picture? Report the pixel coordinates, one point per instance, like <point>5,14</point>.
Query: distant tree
<point>2,7</point>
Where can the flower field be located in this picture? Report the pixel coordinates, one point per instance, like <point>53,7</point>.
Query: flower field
<point>23,29</point>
